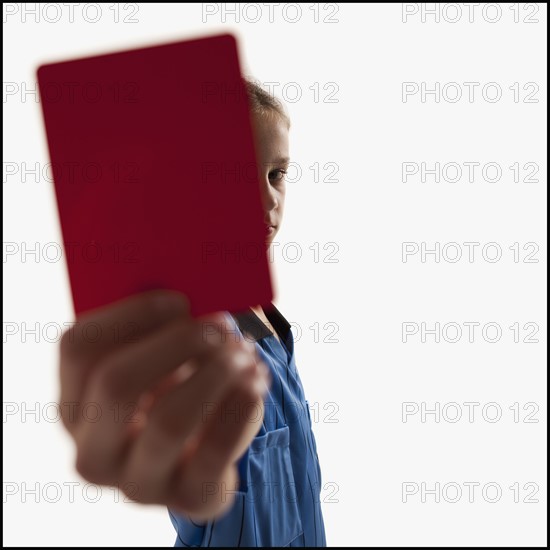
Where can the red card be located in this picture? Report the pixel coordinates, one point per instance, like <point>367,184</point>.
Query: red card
<point>155,175</point>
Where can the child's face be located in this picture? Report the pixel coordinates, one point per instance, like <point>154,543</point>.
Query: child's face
<point>271,137</point>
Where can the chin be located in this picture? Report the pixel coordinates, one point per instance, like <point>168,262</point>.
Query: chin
<point>270,238</point>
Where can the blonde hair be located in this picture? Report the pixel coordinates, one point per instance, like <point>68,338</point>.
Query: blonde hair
<point>262,102</point>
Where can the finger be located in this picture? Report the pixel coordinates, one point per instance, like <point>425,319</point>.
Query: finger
<point>200,482</point>
<point>114,391</point>
<point>220,328</point>
<point>177,419</point>
<point>120,324</point>
<point>215,497</point>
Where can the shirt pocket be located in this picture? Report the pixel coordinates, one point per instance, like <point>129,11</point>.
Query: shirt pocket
<point>265,512</point>
<point>272,488</point>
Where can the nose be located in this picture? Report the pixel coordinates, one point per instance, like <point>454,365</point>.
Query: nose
<point>269,200</point>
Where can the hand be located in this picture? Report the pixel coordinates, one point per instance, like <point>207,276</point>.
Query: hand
<point>163,388</point>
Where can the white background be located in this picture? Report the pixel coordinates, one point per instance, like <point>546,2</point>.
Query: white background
<point>369,131</point>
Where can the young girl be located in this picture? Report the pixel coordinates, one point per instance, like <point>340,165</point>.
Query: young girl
<point>223,434</point>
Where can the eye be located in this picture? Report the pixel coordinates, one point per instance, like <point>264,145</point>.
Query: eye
<point>276,176</point>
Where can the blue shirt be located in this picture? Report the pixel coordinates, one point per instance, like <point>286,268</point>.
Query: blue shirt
<point>278,501</point>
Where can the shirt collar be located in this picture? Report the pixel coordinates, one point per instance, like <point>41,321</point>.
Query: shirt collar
<point>250,323</point>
